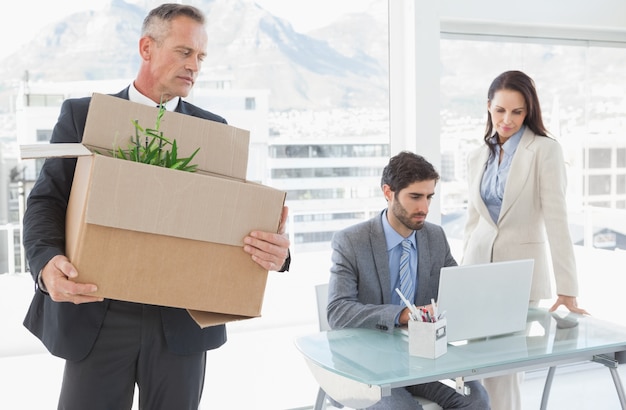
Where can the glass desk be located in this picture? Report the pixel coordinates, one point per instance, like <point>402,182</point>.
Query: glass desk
<point>357,367</point>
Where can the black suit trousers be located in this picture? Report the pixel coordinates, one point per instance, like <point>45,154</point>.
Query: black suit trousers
<point>131,350</point>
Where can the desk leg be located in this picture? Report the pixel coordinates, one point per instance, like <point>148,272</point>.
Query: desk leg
<point>546,388</point>
<point>461,388</point>
<point>458,384</point>
<point>618,386</point>
<point>612,364</point>
<point>320,400</point>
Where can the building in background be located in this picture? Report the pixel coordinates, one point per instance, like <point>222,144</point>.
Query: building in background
<point>330,184</point>
<point>329,163</point>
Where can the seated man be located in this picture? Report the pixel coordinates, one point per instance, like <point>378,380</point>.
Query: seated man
<point>366,271</point>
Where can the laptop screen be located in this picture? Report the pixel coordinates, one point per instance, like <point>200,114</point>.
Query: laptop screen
<point>485,299</point>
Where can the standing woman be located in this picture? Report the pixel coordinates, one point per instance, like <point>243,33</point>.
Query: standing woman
<point>516,206</point>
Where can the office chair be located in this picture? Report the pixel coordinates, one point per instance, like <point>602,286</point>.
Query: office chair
<point>321,293</point>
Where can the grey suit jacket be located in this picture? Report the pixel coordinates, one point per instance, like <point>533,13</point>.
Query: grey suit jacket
<point>359,292</point>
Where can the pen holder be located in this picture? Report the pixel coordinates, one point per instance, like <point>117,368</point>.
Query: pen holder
<point>427,339</point>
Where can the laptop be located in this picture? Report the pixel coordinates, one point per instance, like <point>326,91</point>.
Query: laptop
<point>485,299</point>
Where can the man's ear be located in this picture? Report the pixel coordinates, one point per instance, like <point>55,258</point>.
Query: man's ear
<point>387,192</point>
<point>145,47</point>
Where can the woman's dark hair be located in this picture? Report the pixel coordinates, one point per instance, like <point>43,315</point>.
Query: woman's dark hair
<point>520,82</point>
<point>406,168</point>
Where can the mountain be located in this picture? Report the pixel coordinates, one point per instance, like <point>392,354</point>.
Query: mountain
<point>246,44</point>
<point>88,45</point>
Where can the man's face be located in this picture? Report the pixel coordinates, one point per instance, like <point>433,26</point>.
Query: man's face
<point>175,63</point>
<point>407,209</point>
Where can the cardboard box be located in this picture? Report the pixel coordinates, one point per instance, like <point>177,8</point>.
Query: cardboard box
<point>153,235</point>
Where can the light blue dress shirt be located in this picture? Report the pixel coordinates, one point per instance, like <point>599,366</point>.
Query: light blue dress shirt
<point>495,176</point>
<point>394,251</point>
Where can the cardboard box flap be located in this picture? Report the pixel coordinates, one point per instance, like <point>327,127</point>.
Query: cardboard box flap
<point>223,148</point>
<point>109,126</point>
<point>206,319</point>
<point>63,150</point>
<point>117,199</point>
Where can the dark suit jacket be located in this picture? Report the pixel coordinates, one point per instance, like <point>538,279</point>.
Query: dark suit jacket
<point>67,330</point>
<point>359,290</point>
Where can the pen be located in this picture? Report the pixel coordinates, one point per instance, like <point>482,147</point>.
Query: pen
<point>432,302</point>
<point>414,313</point>
<point>426,315</point>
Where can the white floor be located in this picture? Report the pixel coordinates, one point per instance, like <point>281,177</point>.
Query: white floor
<point>575,387</point>
<point>260,369</point>
<point>280,379</point>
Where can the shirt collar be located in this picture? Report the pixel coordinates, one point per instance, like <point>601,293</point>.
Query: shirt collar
<point>392,236</point>
<point>135,96</point>
<point>511,144</point>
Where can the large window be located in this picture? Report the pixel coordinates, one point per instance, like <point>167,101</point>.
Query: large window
<point>583,102</point>
<point>314,96</point>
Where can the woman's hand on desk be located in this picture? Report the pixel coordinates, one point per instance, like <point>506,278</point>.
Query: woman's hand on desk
<point>570,303</point>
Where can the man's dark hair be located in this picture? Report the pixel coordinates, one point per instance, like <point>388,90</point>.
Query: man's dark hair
<point>153,23</point>
<point>406,168</point>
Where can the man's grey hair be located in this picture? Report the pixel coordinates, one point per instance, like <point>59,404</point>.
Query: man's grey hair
<point>156,23</point>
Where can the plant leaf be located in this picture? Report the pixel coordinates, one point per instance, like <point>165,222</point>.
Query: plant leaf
<point>149,146</point>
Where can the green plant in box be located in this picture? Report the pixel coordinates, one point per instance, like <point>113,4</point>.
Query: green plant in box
<point>149,146</point>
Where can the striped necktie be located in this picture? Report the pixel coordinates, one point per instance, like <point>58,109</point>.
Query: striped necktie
<point>407,286</point>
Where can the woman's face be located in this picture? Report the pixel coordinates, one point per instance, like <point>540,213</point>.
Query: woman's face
<point>508,111</point>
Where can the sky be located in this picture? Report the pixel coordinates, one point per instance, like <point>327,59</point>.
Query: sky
<point>27,17</point>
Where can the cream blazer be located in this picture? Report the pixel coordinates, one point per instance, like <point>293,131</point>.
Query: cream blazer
<point>533,219</point>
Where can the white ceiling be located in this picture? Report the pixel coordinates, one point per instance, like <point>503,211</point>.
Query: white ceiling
<point>597,20</point>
